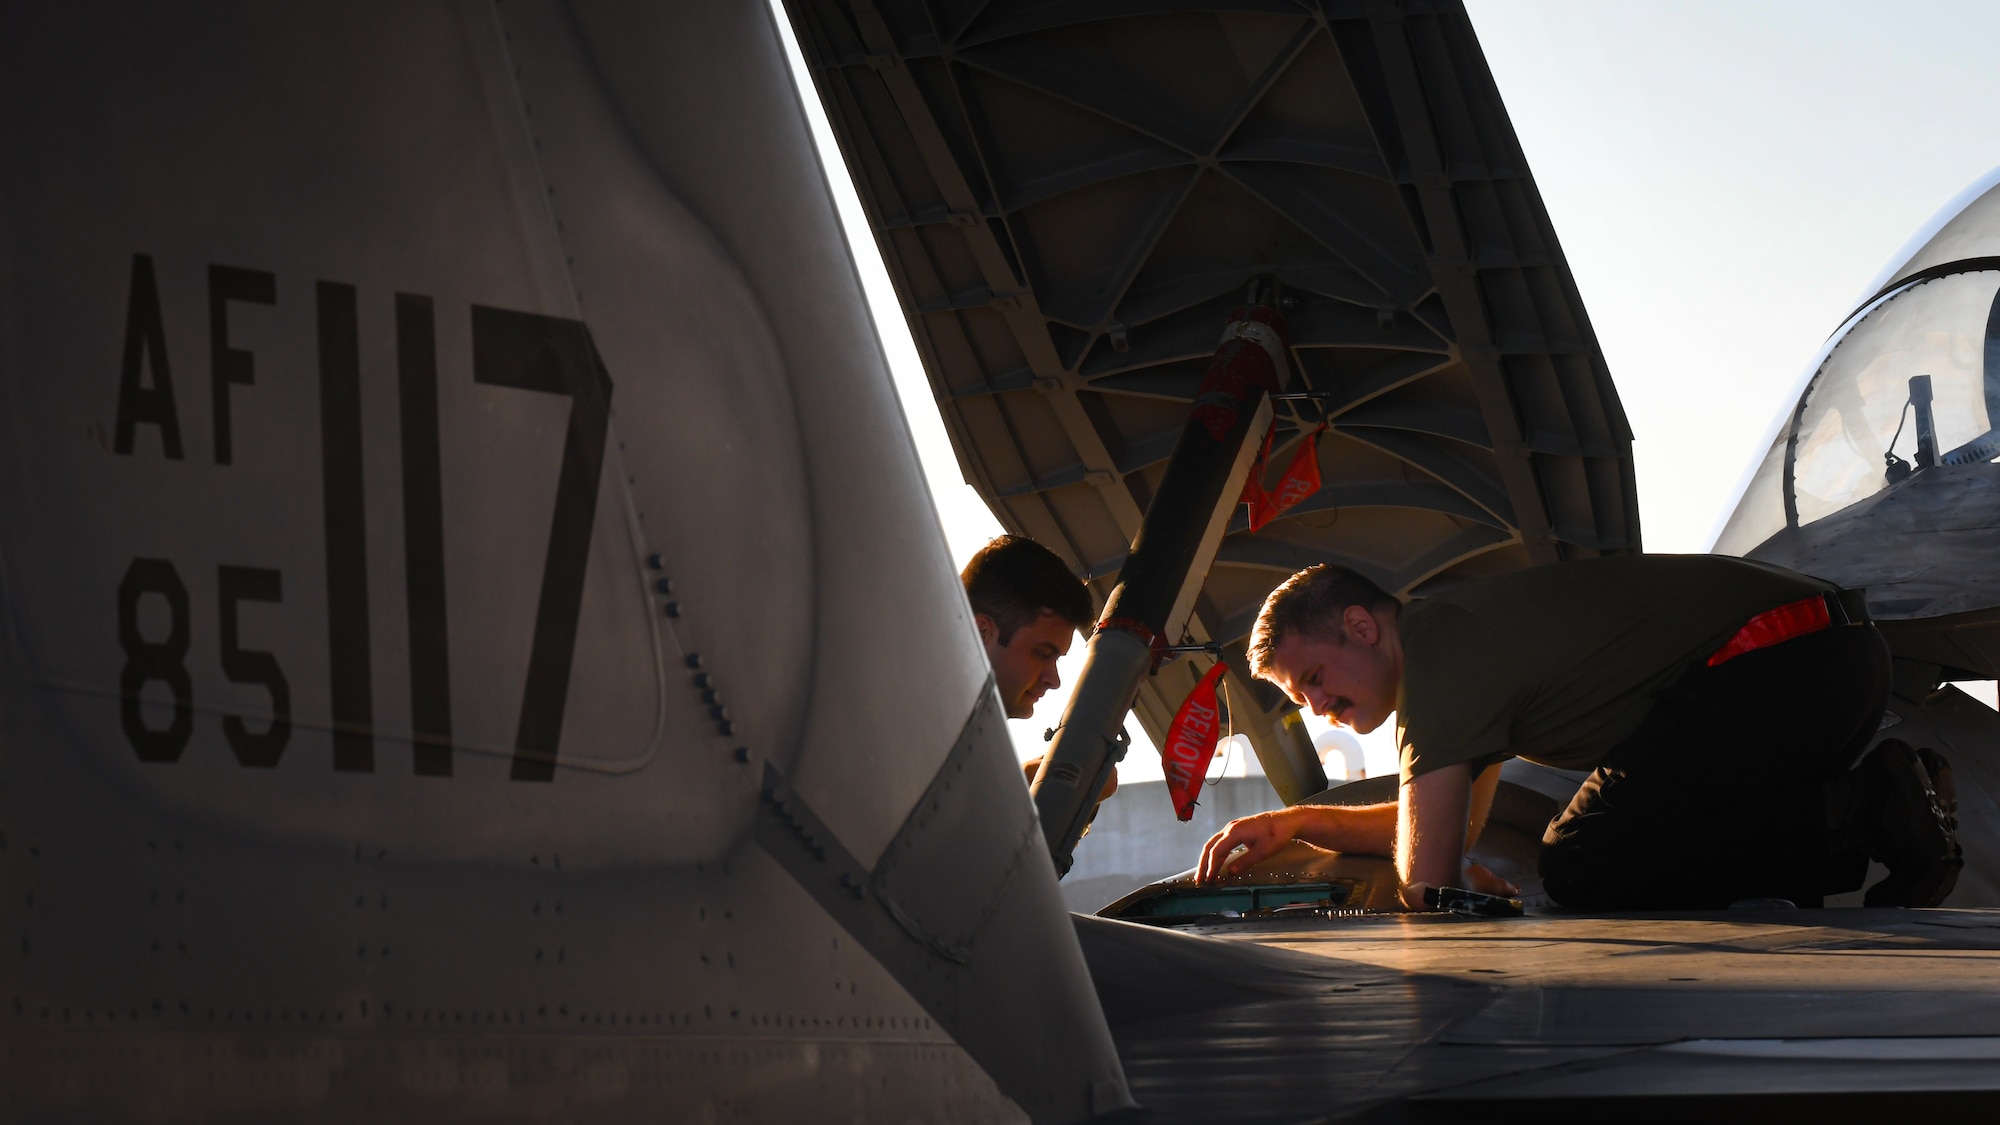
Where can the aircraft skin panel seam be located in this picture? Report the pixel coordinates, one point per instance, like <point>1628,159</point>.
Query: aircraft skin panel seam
<point>507,82</point>
<point>909,838</point>
<point>928,937</point>
<point>514,88</point>
<point>669,637</point>
<point>789,829</point>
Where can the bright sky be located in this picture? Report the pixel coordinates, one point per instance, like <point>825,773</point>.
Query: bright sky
<point>1725,178</point>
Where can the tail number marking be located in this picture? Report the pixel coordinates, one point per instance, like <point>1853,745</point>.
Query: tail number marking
<point>517,350</point>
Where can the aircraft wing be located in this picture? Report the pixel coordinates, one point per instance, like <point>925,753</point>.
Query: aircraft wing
<point>1728,1016</point>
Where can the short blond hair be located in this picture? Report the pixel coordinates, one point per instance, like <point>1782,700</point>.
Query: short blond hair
<point>1311,603</point>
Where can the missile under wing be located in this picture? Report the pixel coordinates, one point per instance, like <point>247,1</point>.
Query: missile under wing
<point>476,642</point>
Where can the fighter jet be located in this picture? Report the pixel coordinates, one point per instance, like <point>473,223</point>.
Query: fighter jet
<point>477,644</point>
<point>1882,477</point>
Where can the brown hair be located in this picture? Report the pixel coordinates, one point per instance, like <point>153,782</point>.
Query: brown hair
<point>1013,579</point>
<point>1311,603</point>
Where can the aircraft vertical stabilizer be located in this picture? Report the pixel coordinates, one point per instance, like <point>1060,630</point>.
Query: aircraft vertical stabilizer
<point>475,631</point>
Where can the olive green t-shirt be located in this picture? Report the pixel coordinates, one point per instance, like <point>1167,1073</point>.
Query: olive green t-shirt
<point>1556,664</point>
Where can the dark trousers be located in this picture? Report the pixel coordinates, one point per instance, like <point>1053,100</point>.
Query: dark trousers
<point>1720,794</point>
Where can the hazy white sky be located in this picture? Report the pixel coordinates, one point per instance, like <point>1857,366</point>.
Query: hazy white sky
<point>1726,178</point>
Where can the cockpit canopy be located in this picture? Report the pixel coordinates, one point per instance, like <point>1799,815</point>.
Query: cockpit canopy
<point>1911,383</point>
<point>1885,474</point>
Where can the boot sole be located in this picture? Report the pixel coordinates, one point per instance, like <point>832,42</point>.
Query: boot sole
<point>1919,841</point>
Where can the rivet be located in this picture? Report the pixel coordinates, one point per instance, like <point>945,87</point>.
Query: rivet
<point>711,696</point>
<point>694,660</point>
<point>742,754</point>
<point>673,609</point>
<point>719,714</point>
<point>727,729</point>
<point>664,585</point>
<point>702,681</point>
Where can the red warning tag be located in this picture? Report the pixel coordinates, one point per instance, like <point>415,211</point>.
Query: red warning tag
<point>1301,477</point>
<point>1191,740</point>
<point>1253,485</point>
<point>1301,480</point>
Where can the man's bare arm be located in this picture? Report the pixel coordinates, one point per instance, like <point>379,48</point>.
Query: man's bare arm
<point>1483,788</point>
<point>1358,830</point>
<point>1431,830</point>
<point>1441,813</point>
<point>1437,799</point>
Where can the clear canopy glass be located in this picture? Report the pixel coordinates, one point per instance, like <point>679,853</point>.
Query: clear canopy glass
<point>1966,228</point>
<point>1911,383</point>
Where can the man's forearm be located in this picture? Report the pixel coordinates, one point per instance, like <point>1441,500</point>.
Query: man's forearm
<point>1426,833</point>
<point>1431,830</point>
<point>1249,840</point>
<point>1354,829</point>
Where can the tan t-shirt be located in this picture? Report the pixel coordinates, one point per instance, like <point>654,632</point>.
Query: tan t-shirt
<point>1556,664</point>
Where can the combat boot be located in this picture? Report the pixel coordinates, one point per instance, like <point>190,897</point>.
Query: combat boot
<point>1910,822</point>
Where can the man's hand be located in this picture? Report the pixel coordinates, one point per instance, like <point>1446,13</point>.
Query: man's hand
<point>1412,897</point>
<point>1477,877</point>
<point>1356,830</point>
<point>1263,834</point>
<point>1033,766</point>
